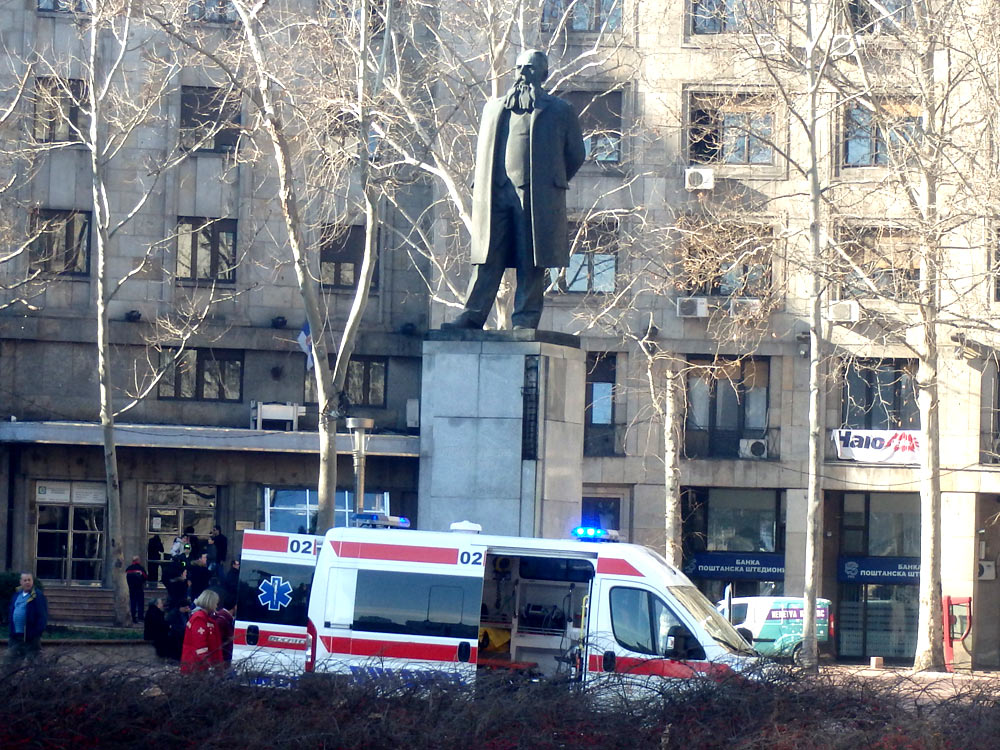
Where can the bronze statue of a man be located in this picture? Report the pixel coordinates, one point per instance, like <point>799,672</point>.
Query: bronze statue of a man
<point>530,146</point>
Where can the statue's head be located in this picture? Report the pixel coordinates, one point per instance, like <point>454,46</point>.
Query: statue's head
<point>532,66</point>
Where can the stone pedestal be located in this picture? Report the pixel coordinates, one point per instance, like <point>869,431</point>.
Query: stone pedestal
<point>501,431</point>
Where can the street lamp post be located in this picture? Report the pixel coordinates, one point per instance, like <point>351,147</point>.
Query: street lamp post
<point>360,428</point>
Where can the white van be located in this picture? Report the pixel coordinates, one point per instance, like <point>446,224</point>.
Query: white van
<point>436,605</point>
<point>775,622</point>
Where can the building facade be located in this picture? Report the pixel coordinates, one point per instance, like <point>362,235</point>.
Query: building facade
<point>691,227</point>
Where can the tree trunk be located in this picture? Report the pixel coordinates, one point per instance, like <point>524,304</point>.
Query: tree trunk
<point>115,551</point>
<point>672,518</point>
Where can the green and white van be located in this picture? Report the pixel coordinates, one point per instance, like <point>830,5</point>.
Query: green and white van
<point>775,622</point>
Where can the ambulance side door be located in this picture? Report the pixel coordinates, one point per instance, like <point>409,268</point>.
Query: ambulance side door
<point>640,634</point>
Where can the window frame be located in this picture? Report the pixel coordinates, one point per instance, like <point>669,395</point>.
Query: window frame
<point>367,362</point>
<point>865,528</point>
<point>340,248</point>
<point>592,245</point>
<point>896,411</point>
<point>755,279</point>
<point>604,437</point>
<point>60,6</point>
<point>42,265</point>
<point>554,16</point>
<point>203,358</point>
<point>882,140</point>
<point>216,227</point>
<point>603,126</point>
<point>720,442</point>
<point>696,503</point>
<point>861,18</point>
<point>862,243</point>
<point>197,120</point>
<point>198,10</point>
<point>745,22</point>
<point>65,98</point>
<point>706,132</point>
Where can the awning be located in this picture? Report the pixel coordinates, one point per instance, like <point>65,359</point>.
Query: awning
<point>199,438</point>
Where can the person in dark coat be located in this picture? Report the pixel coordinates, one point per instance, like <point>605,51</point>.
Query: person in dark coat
<point>231,582</point>
<point>155,629</point>
<point>135,576</point>
<point>28,615</point>
<point>195,551</point>
<point>177,620</point>
<point>530,146</point>
<point>221,549</point>
<point>199,575</point>
<point>177,584</point>
<point>154,554</point>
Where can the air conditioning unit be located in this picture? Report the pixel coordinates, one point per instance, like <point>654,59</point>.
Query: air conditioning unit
<point>740,307</point>
<point>843,311</point>
<point>699,178</point>
<point>843,45</point>
<point>692,307</point>
<point>753,448</point>
<point>987,570</point>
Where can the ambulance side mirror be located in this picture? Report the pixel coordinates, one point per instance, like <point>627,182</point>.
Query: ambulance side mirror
<point>746,634</point>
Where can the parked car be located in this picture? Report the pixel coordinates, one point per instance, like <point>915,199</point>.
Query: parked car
<point>775,622</point>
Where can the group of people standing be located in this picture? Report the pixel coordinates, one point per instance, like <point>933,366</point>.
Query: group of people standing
<point>194,622</point>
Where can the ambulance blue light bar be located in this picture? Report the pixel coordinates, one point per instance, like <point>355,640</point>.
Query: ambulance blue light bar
<point>594,534</point>
<point>380,521</point>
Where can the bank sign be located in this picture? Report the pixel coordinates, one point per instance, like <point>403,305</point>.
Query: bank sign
<point>756,566</point>
<point>878,446</point>
<point>904,570</point>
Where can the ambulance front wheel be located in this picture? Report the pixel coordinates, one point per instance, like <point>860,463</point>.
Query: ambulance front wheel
<point>797,656</point>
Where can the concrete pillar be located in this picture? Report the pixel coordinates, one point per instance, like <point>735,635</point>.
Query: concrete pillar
<point>501,431</point>
<point>795,542</point>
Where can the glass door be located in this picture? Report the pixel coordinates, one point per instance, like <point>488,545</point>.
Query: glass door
<point>70,543</point>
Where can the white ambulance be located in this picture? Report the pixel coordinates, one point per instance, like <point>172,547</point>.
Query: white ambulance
<point>420,605</point>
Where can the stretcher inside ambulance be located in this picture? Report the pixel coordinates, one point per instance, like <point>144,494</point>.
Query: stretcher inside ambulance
<point>416,605</point>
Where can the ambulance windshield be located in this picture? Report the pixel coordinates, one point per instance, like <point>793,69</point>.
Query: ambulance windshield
<point>717,626</point>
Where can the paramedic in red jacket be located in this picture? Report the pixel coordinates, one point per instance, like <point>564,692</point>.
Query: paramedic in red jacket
<point>202,638</point>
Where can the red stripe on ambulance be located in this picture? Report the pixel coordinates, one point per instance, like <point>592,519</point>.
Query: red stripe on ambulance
<point>265,542</point>
<point>396,552</point>
<point>392,649</point>
<point>613,566</point>
<point>660,667</point>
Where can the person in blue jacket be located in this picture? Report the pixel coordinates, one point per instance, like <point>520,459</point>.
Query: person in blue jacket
<point>28,616</point>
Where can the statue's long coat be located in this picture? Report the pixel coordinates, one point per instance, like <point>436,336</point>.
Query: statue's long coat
<point>557,152</point>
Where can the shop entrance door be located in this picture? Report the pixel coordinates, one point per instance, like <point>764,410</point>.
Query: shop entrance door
<point>877,619</point>
<point>70,543</point>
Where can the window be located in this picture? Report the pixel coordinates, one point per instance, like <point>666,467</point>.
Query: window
<point>601,119</point>
<point>342,249</point>
<point>876,138</point>
<point>601,513</point>
<point>880,395</point>
<point>880,524</point>
<point>889,16</point>
<point>642,623</point>
<point>69,539</point>
<point>60,110</point>
<point>210,119</point>
<point>64,6</point>
<point>728,16</point>
<point>61,242</point>
<point>582,15</point>
<point>293,509</point>
<point>885,262</point>
<point>213,11</point>
<point>733,520</point>
<point>365,384</point>
<point>593,259</point>
<point>600,432</point>
<point>727,402</point>
<point>418,604</point>
<point>727,259</point>
<point>171,508</point>
<point>206,249</point>
<point>731,129</point>
<point>202,375</point>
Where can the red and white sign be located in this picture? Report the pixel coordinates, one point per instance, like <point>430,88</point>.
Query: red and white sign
<point>878,446</point>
